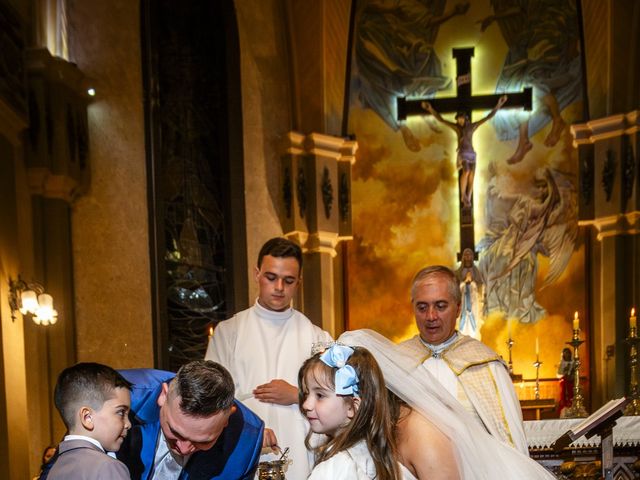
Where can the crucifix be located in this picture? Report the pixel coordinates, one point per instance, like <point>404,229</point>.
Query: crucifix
<point>464,103</point>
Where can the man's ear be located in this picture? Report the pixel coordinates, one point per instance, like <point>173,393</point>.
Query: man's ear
<point>162,398</point>
<point>256,272</point>
<point>85,418</point>
<point>353,407</point>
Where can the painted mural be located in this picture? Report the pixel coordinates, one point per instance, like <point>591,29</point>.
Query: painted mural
<point>511,171</point>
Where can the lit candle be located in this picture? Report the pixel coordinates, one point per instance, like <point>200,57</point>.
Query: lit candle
<point>210,332</point>
<point>632,319</point>
<point>576,321</point>
<point>537,347</point>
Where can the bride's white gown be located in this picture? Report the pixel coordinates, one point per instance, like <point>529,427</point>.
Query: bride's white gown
<point>479,455</point>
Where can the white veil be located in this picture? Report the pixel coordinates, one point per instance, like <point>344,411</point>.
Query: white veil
<point>480,456</point>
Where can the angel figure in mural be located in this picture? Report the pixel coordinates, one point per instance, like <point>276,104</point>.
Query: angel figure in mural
<point>543,52</point>
<point>466,161</point>
<point>472,289</point>
<point>394,55</point>
<point>521,227</point>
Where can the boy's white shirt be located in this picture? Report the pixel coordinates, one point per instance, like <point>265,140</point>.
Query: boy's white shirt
<point>87,439</point>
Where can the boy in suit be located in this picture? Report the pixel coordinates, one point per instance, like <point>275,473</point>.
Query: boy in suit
<point>93,401</point>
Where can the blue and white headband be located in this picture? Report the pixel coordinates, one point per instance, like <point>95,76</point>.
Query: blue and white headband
<point>346,378</point>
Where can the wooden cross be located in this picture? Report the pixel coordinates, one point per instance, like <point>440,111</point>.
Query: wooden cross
<point>467,103</point>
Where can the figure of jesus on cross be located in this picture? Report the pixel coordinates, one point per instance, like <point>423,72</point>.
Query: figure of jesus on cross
<point>465,103</point>
<point>464,128</point>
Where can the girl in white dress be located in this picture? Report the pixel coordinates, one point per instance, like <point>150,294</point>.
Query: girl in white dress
<point>343,395</point>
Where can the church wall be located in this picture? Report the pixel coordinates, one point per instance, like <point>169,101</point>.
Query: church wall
<point>25,409</point>
<point>612,39</point>
<point>110,223</point>
<point>266,116</point>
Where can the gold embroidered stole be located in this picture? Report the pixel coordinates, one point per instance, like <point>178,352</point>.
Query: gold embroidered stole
<point>469,359</point>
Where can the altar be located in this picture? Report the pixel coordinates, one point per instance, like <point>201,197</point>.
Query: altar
<point>582,458</point>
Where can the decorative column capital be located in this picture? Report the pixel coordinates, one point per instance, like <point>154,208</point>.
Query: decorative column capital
<point>316,189</point>
<point>57,146</point>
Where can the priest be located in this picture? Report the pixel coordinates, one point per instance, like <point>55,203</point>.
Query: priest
<point>264,346</point>
<point>470,371</point>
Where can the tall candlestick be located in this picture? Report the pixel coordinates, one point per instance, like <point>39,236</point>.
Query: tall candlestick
<point>577,408</point>
<point>576,321</point>
<point>633,341</point>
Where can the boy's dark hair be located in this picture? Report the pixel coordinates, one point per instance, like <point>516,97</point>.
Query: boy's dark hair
<point>89,384</point>
<point>280,248</point>
<point>204,388</point>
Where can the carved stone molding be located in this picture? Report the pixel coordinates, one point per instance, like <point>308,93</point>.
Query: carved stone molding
<point>322,242</point>
<point>57,151</point>
<point>287,191</point>
<point>327,192</point>
<point>609,173</point>
<point>628,171</point>
<point>301,182</point>
<point>604,128</point>
<point>586,180</point>
<point>614,225</point>
<point>609,180</point>
<point>316,175</point>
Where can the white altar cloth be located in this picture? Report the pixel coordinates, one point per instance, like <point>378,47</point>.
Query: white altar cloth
<point>542,433</point>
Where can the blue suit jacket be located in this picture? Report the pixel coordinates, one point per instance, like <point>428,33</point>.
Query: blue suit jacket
<point>234,456</point>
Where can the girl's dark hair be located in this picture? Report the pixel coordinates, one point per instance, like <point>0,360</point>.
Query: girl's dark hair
<point>372,421</point>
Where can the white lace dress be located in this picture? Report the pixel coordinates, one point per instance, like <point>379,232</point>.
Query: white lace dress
<point>354,463</point>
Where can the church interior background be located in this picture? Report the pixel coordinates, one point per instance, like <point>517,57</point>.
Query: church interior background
<point>213,126</point>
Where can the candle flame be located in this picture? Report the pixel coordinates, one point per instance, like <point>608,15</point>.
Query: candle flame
<point>210,331</point>
<point>575,315</point>
<point>633,312</point>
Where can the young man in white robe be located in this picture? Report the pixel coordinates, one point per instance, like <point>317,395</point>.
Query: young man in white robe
<point>470,371</point>
<point>264,347</point>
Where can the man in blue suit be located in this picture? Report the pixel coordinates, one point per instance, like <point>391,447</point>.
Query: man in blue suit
<point>189,426</point>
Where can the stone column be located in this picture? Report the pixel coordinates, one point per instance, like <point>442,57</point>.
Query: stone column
<point>609,205</point>
<point>57,173</point>
<point>316,198</point>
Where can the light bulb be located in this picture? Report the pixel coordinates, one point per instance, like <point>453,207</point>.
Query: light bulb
<point>29,302</point>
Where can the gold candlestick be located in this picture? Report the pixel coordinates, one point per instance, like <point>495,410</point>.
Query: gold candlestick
<point>577,408</point>
<point>633,408</point>
<point>537,364</point>
<point>510,343</point>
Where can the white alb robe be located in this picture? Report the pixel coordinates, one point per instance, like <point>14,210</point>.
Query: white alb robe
<point>258,345</point>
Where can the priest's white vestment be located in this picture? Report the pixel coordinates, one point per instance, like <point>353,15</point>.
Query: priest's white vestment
<point>478,378</point>
<point>259,345</point>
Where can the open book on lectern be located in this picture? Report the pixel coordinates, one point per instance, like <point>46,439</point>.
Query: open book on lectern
<point>592,425</point>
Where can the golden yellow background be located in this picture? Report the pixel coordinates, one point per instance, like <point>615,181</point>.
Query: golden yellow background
<point>405,208</point>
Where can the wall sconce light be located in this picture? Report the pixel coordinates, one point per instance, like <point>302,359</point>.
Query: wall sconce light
<point>31,299</point>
